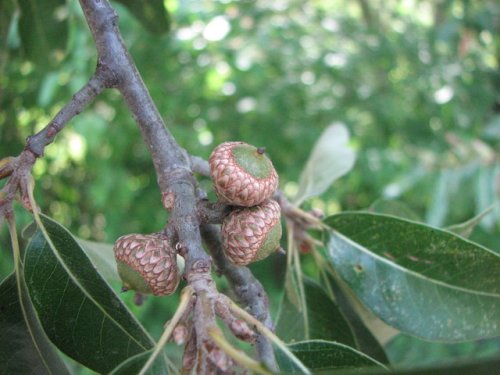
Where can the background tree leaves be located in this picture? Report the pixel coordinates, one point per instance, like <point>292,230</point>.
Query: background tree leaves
<point>76,307</point>
<point>43,28</point>
<point>152,14</point>
<point>331,158</point>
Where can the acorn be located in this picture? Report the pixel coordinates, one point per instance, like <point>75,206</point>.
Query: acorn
<point>147,264</point>
<point>242,174</point>
<point>251,234</point>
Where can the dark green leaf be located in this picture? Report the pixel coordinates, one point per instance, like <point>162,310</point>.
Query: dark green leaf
<point>151,13</point>
<point>133,365</point>
<point>77,308</point>
<point>7,10</point>
<point>43,28</point>
<point>319,355</point>
<point>419,279</point>
<point>24,348</point>
<point>325,321</point>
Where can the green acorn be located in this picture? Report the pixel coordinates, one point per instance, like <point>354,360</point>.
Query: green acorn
<point>252,234</point>
<point>147,264</point>
<point>242,174</point>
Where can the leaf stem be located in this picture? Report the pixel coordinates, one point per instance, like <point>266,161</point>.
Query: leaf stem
<point>186,294</point>
<point>269,334</point>
<point>239,356</point>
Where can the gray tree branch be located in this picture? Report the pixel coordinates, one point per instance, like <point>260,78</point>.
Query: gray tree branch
<point>173,167</point>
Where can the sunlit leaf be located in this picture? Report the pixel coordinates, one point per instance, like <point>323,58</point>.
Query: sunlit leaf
<point>77,309</point>
<point>419,279</point>
<point>320,355</point>
<point>24,348</point>
<point>331,158</point>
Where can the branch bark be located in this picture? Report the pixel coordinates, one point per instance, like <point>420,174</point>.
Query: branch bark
<point>173,167</point>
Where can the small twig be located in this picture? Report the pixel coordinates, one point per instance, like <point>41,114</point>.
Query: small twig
<point>200,166</point>
<point>267,332</point>
<point>97,83</point>
<point>248,290</point>
<point>237,355</point>
<point>185,300</point>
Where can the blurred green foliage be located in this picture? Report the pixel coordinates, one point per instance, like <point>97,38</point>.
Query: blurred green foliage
<point>416,82</point>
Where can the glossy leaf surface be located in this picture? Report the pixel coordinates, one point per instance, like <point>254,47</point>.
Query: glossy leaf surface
<point>77,308</point>
<point>419,279</point>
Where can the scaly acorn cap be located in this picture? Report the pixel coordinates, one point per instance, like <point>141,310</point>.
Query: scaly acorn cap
<point>242,174</point>
<point>147,264</point>
<point>251,234</point>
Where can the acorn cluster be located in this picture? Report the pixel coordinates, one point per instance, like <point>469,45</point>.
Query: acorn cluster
<point>244,176</point>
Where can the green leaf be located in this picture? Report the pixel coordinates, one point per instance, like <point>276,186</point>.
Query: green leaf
<point>325,321</point>
<point>78,310</point>
<point>422,280</point>
<point>102,256</point>
<point>331,158</point>
<point>43,29</point>
<point>24,349</point>
<point>133,365</point>
<point>465,229</point>
<point>320,355</point>
<point>151,13</point>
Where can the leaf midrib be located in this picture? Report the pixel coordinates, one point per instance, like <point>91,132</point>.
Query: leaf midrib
<point>86,294</point>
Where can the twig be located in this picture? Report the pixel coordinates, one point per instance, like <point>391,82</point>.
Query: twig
<point>268,333</point>
<point>185,300</point>
<point>248,290</point>
<point>200,165</point>
<point>235,354</point>
<point>97,83</point>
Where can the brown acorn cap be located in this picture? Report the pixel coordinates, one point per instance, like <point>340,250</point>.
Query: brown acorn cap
<point>242,174</point>
<point>252,234</point>
<point>147,264</point>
